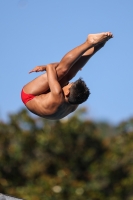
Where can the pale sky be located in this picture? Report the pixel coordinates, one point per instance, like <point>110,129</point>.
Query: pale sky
<point>36,32</point>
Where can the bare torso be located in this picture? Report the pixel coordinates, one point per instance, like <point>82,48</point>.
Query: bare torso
<point>56,109</point>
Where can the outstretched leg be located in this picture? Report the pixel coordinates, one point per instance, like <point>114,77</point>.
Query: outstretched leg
<point>71,59</point>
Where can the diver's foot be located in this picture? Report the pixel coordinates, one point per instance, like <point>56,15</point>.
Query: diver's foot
<point>98,38</point>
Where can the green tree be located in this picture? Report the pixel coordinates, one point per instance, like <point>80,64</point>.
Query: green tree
<point>68,159</point>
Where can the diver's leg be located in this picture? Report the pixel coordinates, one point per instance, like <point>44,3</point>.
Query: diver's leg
<point>75,54</point>
<point>80,63</point>
<point>40,84</point>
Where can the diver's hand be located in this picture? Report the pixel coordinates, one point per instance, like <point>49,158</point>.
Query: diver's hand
<point>38,69</point>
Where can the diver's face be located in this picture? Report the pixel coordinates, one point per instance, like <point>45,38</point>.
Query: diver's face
<point>67,89</point>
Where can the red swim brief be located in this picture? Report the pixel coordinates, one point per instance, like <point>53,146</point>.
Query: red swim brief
<point>26,97</point>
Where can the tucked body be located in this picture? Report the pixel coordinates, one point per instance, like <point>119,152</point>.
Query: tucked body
<point>51,95</point>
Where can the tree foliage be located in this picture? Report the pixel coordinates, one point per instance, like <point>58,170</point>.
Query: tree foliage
<point>68,159</point>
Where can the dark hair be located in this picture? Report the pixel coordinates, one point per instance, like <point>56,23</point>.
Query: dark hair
<point>79,92</point>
